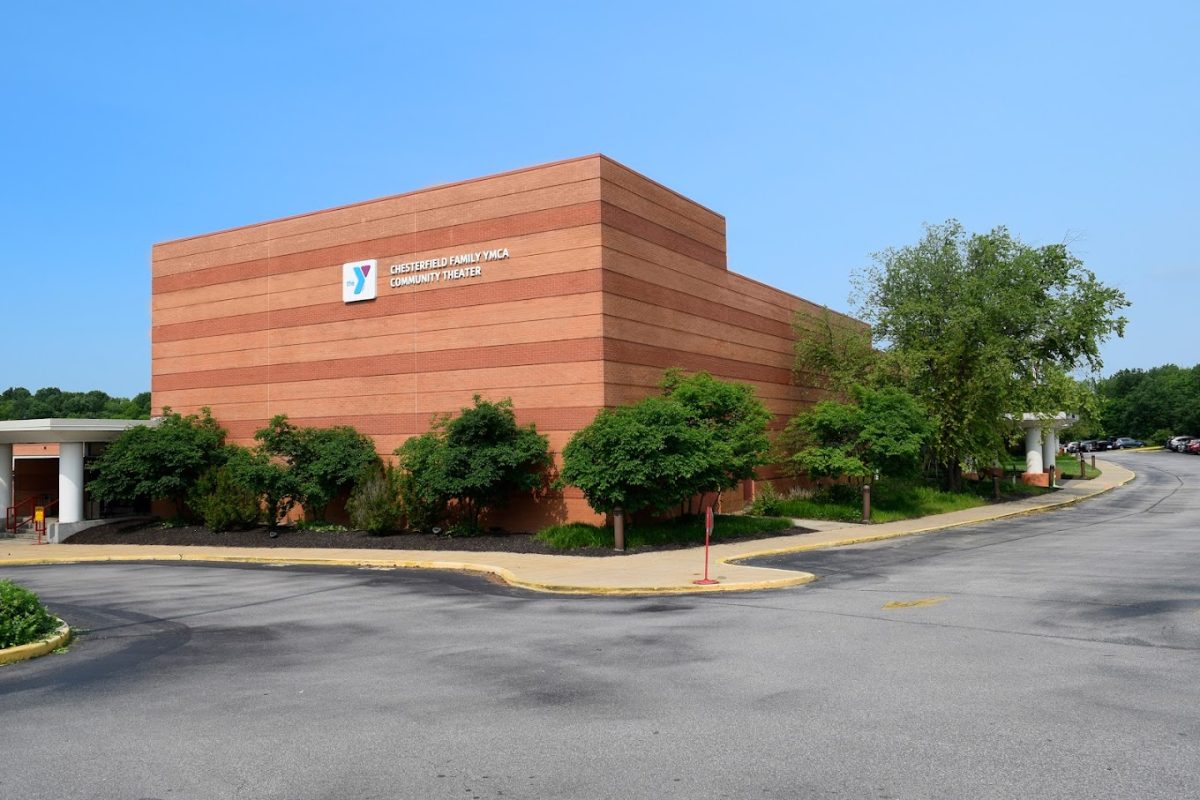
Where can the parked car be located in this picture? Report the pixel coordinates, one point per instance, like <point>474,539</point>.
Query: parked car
<point>1192,447</point>
<point>1093,445</point>
<point>1072,447</point>
<point>1125,442</point>
<point>1177,443</point>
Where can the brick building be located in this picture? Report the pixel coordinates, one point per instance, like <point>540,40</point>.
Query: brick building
<point>568,287</point>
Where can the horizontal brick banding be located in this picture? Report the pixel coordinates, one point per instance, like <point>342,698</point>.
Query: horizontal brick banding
<point>637,289</point>
<point>429,361</point>
<point>388,305</point>
<point>412,202</point>
<point>551,219</point>
<point>620,219</point>
<point>619,351</point>
<point>614,173</point>
<point>546,420</point>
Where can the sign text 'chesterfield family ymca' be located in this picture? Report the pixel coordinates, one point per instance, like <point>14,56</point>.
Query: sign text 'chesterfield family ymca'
<point>445,268</point>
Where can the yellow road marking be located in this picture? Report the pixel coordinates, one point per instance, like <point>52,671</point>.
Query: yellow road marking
<point>924,601</point>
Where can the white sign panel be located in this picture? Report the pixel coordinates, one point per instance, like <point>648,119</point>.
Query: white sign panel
<point>359,281</point>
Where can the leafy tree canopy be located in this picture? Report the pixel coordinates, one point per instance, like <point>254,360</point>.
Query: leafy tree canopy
<point>19,403</point>
<point>1143,403</point>
<point>477,459</point>
<point>321,462</point>
<point>980,326</point>
<point>734,419</point>
<point>702,435</point>
<point>882,432</point>
<point>159,462</point>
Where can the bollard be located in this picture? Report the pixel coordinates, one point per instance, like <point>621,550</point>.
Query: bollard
<point>1093,460</point>
<point>995,486</point>
<point>618,530</point>
<point>866,517</point>
<point>1082,467</point>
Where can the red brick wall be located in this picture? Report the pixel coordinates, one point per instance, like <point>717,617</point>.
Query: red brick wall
<point>612,278</point>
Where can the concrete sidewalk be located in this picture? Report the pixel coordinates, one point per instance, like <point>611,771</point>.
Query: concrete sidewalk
<point>666,572</point>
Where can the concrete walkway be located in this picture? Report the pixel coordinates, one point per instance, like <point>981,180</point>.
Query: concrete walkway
<point>667,572</point>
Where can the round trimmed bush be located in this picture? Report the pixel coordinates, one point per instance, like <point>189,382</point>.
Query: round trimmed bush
<point>23,618</point>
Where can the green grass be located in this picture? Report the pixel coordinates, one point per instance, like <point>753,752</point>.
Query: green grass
<point>889,502</point>
<point>1067,465</point>
<point>679,531</point>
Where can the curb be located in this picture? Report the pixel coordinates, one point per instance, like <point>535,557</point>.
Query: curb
<point>880,537</point>
<point>60,637</point>
<point>793,579</point>
<point>796,578</point>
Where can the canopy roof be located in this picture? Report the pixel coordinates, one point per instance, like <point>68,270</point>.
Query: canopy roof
<point>40,431</point>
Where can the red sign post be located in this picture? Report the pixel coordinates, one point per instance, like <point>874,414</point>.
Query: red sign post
<point>708,529</point>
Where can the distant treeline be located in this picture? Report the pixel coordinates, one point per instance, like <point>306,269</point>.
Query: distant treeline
<point>1151,404</point>
<point>20,403</point>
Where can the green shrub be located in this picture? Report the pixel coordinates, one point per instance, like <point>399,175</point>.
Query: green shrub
<point>160,462</point>
<point>1160,436</point>
<point>223,501</point>
<point>374,505</point>
<point>320,463</point>
<point>23,618</point>
<point>472,463</point>
<point>767,502</point>
<point>685,530</point>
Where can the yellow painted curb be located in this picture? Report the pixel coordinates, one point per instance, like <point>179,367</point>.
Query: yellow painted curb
<point>881,537</point>
<point>793,579</point>
<point>796,578</point>
<point>60,637</point>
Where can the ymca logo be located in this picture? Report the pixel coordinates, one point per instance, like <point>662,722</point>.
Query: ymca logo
<point>358,281</point>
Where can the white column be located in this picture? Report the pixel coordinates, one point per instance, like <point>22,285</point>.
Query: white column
<point>6,477</point>
<point>1033,449</point>
<point>70,482</point>
<point>1050,448</point>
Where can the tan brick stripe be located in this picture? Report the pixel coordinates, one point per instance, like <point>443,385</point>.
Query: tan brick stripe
<point>636,289</point>
<point>551,219</point>
<point>654,233</point>
<point>618,351</point>
<point>409,424</point>
<point>563,351</point>
<point>388,305</point>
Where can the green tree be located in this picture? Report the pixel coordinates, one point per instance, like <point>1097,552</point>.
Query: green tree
<point>735,421</point>
<point>269,479</point>
<point>833,353</point>
<point>647,456</point>
<point>1141,403</point>
<point>320,462</point>
<point>882,432</point>
<point>980,326</point>
<point>477,459</point>
<point>19,403</point>
<point>160,462</point>
<point>701,435</point>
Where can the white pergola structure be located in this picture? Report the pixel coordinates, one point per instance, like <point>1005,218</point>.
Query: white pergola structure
<point>1041,439</point>
<point>72,437</point>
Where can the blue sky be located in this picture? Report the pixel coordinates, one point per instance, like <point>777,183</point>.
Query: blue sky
<point>823,132</point>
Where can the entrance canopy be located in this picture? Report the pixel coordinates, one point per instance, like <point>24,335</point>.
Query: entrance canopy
<point>71,436</point>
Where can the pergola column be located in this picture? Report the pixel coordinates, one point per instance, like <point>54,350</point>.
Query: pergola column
<point>1033,449</point>
<point>6,476</point>
<point>70,482</point>
<point>1050,448</point>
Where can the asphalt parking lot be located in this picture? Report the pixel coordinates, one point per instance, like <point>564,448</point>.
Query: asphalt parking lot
<point>1050,656</point>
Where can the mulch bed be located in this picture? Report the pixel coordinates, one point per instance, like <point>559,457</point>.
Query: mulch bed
<point>196,535</point>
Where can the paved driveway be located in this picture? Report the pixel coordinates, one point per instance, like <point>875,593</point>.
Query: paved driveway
<point>1051,656</point>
